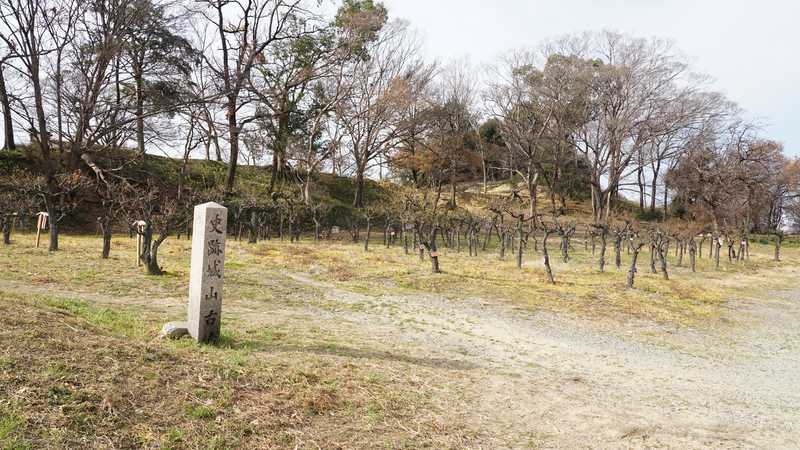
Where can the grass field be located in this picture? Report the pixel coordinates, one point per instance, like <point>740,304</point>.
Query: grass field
<point>79,366</point>
<point>580,288</point>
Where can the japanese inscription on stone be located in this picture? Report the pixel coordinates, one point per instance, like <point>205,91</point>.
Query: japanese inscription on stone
<point>208,262</point>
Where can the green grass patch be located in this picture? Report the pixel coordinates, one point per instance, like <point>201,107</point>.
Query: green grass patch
<point>201,412</point>
<point>11,425</point>
<point>117,321</point>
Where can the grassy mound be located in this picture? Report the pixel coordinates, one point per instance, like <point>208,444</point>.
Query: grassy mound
<point>202,175</point>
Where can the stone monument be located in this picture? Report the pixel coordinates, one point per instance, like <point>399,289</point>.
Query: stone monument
<point>205,279</point>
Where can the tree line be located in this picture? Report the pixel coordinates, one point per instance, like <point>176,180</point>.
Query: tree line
<point>92,87</point>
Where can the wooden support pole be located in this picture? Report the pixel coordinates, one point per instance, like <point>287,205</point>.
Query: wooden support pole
<point>138,249</point>
<point>139,226</point>
<point>41,223</point>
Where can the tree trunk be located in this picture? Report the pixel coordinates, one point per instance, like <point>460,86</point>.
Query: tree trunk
<point>453,190</point>
<point>632,270</point>
<point>653,187</point>
<point>59,76</point>
<point>640,182</point>
<point>653,258</point>
<point>484,170</point>
<point>281,144</point>
<point>105,229</point>
<point>139,78</point>
<point>519,243</point>
<point>714,239</point>
<point>291,229</point>
<point>602,261</point>
<point>44,145</point>
<point>8,124</point>
<point>253,228</point>
<point>546,258</point>
<point>366,238</point>
<point>233,131</point>
<point>6,231</point>
<point>51,212</point>
<point>532,189</point>
<point>434,253</point>
<point>147,239</point>
<point>662,256</point>
<point>488,235</point>
<point>152,263</point>
<point>358,200</point>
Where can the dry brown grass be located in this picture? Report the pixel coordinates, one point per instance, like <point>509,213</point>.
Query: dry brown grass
<point>72,376</point>
<point>79,366</point>
<point>258,272</point>
<point>686,299</point>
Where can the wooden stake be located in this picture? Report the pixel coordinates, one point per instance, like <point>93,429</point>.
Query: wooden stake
<point>138,248</point>
<point>139,226</point>
<point>38,229</point>
<point>41,222</point>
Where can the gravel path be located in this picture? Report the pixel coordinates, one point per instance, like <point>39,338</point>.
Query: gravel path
<point>552,382</point>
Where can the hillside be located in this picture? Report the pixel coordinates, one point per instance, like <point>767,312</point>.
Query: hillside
<point>336,191</point>
<point>202,175</point>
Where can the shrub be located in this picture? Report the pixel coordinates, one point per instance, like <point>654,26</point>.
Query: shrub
<point>650,216</point>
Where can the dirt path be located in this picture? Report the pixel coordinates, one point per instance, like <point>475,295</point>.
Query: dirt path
<point>563,383</point>
<point>540,380</point>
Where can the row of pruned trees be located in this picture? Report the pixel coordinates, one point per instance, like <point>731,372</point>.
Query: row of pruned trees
<point>504,220</point>
<point>120,202</point>
<point>601,116</point>
<point>416,219</point>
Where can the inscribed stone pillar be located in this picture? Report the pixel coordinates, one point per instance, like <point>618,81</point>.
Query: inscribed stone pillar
<point>205,279</point>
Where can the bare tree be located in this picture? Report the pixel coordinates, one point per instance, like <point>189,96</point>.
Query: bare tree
<point>518,101</point>
<point>383,85</point>
<point>245,29</point>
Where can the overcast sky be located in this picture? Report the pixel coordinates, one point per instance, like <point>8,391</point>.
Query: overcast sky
<point>751,48</point>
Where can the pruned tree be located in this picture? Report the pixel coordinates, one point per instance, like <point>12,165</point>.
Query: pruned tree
<point>164,213</point>
<point>636,244</point>
<point>17,199</point>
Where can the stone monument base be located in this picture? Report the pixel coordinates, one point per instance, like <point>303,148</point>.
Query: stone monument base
<point>174,330</point>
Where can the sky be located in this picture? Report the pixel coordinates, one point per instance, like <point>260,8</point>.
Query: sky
<point>750,48</point>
